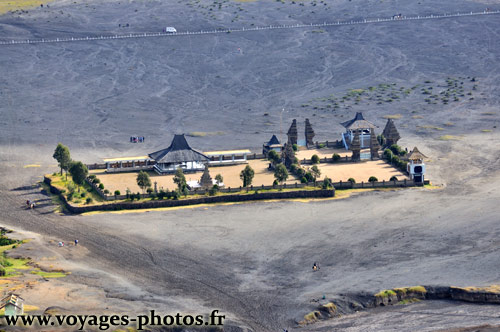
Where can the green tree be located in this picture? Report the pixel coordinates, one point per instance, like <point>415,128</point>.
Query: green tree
<point>247,175</point>
<point>327,183</point>
<point>63,157</point>
<point>78,172</point>
<point>117,193</point>
<point>143,180</point>
<point>180,179</point>
<point>315,172</point>
<point>280,173</point>
<point>372,179</point>
<point>351,180</point>
<point>219,179</point>
<point>315,159</point>
<point>274,157</point>
<point>335,157</point>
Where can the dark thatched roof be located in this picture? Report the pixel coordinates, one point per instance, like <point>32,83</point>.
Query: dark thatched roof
<point>273,141</point>
<point>178,151</point>
<point>416,155</point>
<point>358,122</point>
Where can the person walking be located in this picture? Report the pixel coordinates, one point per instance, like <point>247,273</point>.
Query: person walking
<point>76,242</point>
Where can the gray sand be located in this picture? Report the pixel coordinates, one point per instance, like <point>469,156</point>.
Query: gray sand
<point>253,261</point>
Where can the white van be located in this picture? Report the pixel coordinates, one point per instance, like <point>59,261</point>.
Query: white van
<point>170,30</point>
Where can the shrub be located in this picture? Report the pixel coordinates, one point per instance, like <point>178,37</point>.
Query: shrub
<point>54,174</point>
<point>213,191</point>
<point>372,179</point>
<point>327,183</point>
<point>92,176</point>
<point>393,178</point>
<point>388,154</point>
<point>321,145</point>
<point>309,177</point>
<point>315,159</point>
<point>149,190</point>
<point>88,200</point>
<point>83,194</point>
<point>300,172</point>
<point>293,168</point>
<point>335,157</point>
<point>96,181</point>
<point>275,182</point>
<point>176,194</point>
<point>161,194</point>
<point>303,180</point>
<point>101,186</point>
<point>106,191</point>
<point>117,192</point>
<point>351,180</point>
<point>152,195</point>
<point>295,147</point>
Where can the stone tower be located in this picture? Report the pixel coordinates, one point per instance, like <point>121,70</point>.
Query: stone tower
<point>356,147</point>
<point>206,179</point>
<point>390,133</point>
<point>292,133</point>
<point>309,133</point>
<point>374,145</point>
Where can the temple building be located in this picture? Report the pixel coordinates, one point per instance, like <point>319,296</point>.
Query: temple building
<point>357,124</point>
<point>178,155</point>
<point>390,133</point>
<point>273,144</point>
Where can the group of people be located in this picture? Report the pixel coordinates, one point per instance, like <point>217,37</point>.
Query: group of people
<point>61,244</point>
<point>30,204</point>
<point>137,139</point>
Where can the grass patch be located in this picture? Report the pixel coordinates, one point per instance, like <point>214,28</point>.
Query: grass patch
<point>408,301</point>
<point>386,293</point>
<point>486,130</point>
<point>449,138</point>
<point>392,116</point>
<point>417,289</point>
<point>204,133</point>
<point>488,113</point>
<point>489,289</point>
<point>50,274</point>
<point>449,124</point>
<point>430,127</point>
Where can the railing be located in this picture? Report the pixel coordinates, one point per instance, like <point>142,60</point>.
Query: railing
<point>270,27</point>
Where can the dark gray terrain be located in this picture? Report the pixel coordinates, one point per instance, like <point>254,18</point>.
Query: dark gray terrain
<point>253,261</point>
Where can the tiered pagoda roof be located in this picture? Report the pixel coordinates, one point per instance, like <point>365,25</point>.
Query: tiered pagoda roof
<point>178,151</point>
<point>358,122</point>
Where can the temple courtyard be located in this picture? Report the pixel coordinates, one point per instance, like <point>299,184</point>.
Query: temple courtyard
<point>360,171</point>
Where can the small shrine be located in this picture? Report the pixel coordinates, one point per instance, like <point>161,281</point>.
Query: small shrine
<point>390,133</point>
<point>273,144</point>
<point>416,165</point>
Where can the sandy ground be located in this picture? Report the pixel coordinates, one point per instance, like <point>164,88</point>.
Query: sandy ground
<point>252,261</point>
<point>322,153</point>
<point>360,171</point>
<point>230,174</point>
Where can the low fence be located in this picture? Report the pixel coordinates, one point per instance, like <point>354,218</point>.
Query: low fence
<point>320,193</point>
